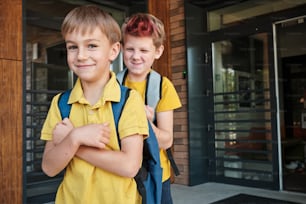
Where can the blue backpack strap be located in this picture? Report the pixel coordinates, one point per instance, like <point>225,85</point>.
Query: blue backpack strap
<point>153,95</point>
<point>149,177</point>
<point>118,107</point>
<point>63,105</point>
<point>152,168</point>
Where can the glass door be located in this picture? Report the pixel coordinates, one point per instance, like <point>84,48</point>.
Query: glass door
<point>242,109</point>
<point>291,68</point>
<point>249,114</point>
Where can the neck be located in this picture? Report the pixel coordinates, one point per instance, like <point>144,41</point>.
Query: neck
<point>138,78</point>
<point>94,90</point>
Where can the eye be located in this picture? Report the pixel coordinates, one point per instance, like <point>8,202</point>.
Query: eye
<point>144,51</point>
<point>92,46</point>
<point>129,49</point>
<point>72,47</point>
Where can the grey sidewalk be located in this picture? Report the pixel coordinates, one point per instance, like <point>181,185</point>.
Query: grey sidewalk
<point>211,192</point>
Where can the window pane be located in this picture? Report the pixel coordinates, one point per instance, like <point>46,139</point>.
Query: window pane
<point>242,108</point>
<point>233,15</point>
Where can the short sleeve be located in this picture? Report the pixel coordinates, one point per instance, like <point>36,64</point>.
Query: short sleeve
<point>169,97</point>
<point>53,117</point>
<point>133,118</point>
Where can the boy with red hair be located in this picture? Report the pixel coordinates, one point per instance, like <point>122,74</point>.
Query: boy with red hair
<point>143,37</point>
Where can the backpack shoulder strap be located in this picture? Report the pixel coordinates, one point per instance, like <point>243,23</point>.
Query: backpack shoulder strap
<point>149,176</point>
<point>118,107</point>
<point>153,95</point>
<point>63,105</point>
<point>153,89</point>
<point>121,76</point>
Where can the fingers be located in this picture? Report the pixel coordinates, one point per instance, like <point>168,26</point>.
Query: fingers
<point>149,112</point>
<point>94,135</point>
<point>104,140</point>
<point>105,134</point>
<point>67,122</point>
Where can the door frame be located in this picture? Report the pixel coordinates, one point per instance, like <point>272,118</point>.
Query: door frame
<point>273,184</point>
<point>265,23</point>
<point>259,25</point>
<point>199,93</point>
<point>277,93</point>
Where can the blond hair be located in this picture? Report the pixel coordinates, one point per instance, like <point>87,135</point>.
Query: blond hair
<point>87,18</point>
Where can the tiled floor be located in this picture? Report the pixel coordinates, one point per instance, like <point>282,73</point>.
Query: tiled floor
<point>211,192</point>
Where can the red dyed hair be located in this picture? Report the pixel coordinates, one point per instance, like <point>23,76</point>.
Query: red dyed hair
<point>144,25</point>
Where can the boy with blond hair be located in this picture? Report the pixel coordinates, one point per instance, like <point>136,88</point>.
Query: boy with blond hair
<point>97,169</point>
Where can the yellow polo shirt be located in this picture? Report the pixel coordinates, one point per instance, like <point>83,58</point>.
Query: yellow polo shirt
<point>83,182</point>
<point>169,101</point>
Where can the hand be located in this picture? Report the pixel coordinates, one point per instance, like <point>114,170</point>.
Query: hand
<point>61,130</point>
<point>150,113</point>
<point>93,135</point>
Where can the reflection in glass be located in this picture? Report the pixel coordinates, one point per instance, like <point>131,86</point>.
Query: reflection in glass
<point>242,108</point>
<point>238,13</point>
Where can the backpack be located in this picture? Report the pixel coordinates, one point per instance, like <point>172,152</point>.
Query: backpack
<point>153,95</point>
<point>149,176</point>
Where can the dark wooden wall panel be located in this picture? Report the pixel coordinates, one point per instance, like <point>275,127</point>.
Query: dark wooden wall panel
<point>11,168</point>
<point>161,10</point>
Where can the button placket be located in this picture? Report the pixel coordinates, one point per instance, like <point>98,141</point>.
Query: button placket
<point>91,115</point>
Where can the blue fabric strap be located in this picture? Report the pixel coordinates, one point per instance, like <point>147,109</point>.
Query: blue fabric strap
<point>63,105</point>
<point>118,107</point>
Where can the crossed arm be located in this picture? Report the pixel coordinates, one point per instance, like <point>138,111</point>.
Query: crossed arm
<point>88,143</point>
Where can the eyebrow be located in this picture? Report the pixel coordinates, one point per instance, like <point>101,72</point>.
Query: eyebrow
<point>87,40</point>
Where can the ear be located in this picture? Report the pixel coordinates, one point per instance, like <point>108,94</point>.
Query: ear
<point>159,51</point>
<point>115,50</point>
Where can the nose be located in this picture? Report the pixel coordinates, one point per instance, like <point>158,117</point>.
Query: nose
<point>136,55</point>
<point>82,54</point>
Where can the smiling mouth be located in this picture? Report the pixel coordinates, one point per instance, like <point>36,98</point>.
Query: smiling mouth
<point>83,66</point>
<point>136,64</point>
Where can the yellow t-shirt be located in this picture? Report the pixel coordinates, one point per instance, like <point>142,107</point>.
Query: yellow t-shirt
<point>83,182</point>
<point>169,101</point>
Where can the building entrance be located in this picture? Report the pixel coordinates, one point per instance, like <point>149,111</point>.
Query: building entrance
<point>253,134</point>
<point>242,109</point>
<point>291,69</point>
